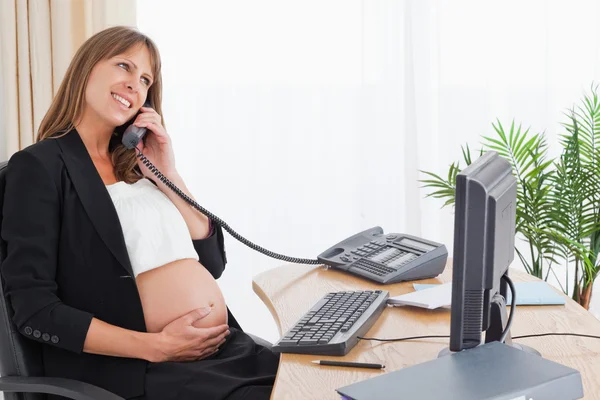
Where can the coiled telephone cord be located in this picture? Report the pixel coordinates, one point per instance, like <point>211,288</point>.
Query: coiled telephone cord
<point>218,220</point>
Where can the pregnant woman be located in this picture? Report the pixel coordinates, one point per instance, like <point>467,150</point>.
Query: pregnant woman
<point>106,267</point>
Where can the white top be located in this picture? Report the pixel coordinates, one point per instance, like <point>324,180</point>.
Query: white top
<point>154,229</point>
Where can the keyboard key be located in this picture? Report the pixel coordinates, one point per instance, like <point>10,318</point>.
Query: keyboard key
<point>306,341</point>
<point>326,321</point>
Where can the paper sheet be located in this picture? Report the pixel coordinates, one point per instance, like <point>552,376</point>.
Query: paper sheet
<point>432,298</point>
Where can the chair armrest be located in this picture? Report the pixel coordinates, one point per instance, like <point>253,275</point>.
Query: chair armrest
<point>60,386</point>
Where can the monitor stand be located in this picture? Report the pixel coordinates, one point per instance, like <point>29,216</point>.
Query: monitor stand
<point>498,319</point>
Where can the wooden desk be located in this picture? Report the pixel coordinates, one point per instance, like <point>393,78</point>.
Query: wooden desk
<point>291,290</point>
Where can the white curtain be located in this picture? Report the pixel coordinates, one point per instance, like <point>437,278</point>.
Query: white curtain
<point>301,123</point>
<point>38,38</point>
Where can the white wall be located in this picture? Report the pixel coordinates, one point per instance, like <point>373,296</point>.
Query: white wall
<point>301,123</point>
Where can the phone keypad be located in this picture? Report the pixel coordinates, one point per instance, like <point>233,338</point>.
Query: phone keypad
<point>369,248</point>
<point>372,267</point>
<point>378,257</point>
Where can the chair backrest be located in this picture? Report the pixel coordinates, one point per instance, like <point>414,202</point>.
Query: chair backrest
<point>19,356</point>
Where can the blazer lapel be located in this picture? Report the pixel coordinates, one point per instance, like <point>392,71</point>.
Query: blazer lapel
<point>94,196</point>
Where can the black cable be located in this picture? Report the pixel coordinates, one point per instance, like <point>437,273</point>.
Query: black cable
<point>513,304</point>
<point>218,220</point>
<point>514,337</point>
<point>404,338</point>
<point>556,334</point>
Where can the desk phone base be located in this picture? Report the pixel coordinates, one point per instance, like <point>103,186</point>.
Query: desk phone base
<point>332,326</point>
<point>387,258</point>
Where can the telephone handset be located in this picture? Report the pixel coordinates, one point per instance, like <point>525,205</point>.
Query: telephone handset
<point>369,254</point>
<point>133,134</point>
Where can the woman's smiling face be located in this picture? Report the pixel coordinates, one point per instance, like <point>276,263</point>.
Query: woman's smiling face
<point>117,87</point>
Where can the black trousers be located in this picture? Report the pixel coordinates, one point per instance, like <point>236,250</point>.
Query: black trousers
<point>241,369</point>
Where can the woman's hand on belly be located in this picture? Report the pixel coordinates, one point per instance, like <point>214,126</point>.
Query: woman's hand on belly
<point>175,289</point>
<point>181,340</point>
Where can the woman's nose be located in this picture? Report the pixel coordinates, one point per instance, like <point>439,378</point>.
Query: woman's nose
<point>133,86</point>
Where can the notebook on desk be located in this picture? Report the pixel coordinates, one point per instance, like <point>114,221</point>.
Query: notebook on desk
<point>434,296</point>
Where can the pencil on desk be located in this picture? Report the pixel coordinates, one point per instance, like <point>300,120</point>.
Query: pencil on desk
<point>348,364</point>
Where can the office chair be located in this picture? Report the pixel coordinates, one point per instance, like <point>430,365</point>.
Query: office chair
<point>21,372</point>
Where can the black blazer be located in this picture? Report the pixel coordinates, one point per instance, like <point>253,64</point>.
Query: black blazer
<point>67,262</point>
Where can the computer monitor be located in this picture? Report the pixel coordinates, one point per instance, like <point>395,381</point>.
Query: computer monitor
<point>484,239</point>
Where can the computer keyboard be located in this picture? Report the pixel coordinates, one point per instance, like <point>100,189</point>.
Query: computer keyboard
<point>332,325</point>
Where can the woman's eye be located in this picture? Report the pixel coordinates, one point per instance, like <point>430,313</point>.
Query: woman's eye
<point>125,66</point>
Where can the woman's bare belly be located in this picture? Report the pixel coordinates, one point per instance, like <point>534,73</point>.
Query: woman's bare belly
<point>175,289</point>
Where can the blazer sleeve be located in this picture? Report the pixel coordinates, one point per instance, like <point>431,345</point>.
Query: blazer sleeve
<point>30,230</point>
<point>211,251</point>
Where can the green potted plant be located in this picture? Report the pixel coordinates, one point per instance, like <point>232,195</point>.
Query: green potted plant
<point>558,201</point>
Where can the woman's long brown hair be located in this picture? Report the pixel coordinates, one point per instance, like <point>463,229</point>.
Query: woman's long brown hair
<point>68,103</point>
